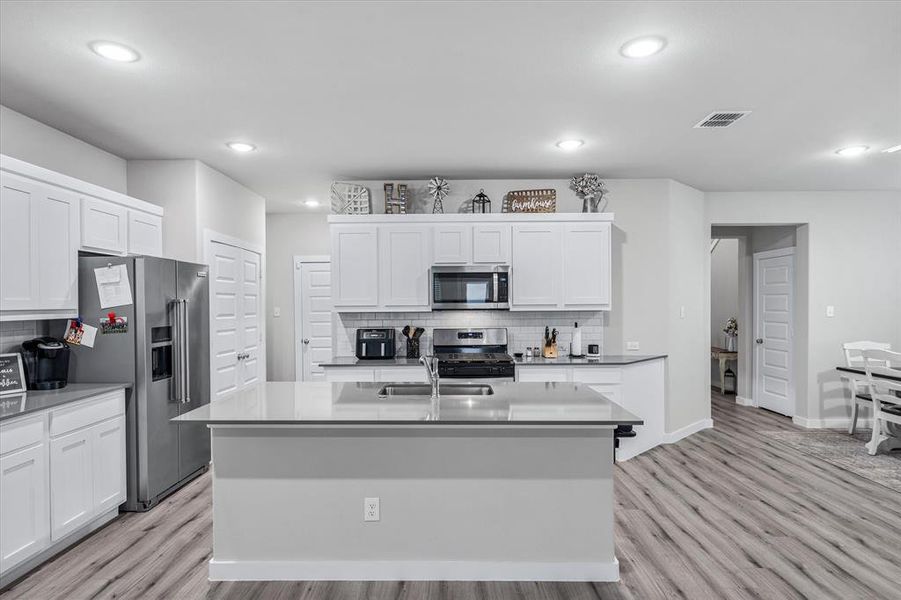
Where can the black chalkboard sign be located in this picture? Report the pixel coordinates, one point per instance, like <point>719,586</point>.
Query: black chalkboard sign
<point>12,375</point>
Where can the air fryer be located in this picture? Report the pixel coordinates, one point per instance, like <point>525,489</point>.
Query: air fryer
<point>46,362</point>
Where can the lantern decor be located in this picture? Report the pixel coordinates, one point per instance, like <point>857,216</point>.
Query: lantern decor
<point>590,189</point>
<point>349,199</point>
<point>481,203</point>
<point>438,188</point>
<point>395,205</point>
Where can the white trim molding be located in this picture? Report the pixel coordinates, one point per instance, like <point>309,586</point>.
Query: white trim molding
<point>742,401</point>
<point>671,437</point>
<point>411,570</point>
<point>832,423</point>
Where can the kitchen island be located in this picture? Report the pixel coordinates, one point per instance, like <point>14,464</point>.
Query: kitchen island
<point>373,481</point>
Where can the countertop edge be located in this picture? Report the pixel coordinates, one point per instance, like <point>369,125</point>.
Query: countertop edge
<point>67,395</point>
<point>351,362</point>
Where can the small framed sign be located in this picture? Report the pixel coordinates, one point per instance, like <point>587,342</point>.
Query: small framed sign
<point>12,374</point>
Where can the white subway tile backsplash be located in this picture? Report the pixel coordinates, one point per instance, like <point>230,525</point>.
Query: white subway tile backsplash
<point>524,329</point>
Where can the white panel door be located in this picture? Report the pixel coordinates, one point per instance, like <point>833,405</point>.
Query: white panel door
<point>108,456</point>
<point>536,266</point>
<point>71,482</point>
<point>24,508</point>
<point>249,327</point>
<point>355,266</point>
<point>774,284</point>
<point>104,226</point>
<point>145,233</point>
<point>225,290</point>
<point>491,244</point>
<point>586,266</point>
<point>404,261</point>
<point>315,302</point>
<point>452,244</point>
<point>57,246</point>
<point>18,244</point>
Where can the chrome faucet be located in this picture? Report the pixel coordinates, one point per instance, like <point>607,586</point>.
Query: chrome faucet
<point>431,368</point>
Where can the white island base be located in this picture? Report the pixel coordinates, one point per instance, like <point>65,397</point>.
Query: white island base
<point>457,502</point>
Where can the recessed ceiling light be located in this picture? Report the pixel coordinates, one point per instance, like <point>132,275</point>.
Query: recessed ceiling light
<point>241,146</point>
<point>893,149</point>
<point>312,203</point>
<point>570,145</point>
<point>114,51</point>
<point>643,46</point>
<point>852,150</point>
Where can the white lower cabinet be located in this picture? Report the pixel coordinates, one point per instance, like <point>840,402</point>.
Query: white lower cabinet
<point>71,482</point>
<point>60,470</point>
<point>542,374</point>
<point>410,374</point>
<point>108,463</point>
<point>24,512</point>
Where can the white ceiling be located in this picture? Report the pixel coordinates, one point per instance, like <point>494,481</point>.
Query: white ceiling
<point>475,90</point>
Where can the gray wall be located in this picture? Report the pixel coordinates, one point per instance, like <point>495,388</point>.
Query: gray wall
<point>844,247</point>
<point>723,290</point>
<point>29,140</point>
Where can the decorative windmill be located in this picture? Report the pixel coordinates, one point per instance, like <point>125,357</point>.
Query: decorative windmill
<point>349,199</point>
<point>438,188</point>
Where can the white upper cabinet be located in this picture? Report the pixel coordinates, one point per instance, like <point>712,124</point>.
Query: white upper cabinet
<point>404,261</point>
<point>491,244</point>
<point>586,266</point>
<point>104,226</point>
<point>558,261</point>
<point>145,233</point>
<point>536,267</point>
<point>38,250</point>
<point>453,244</point>
<point>355,266</point>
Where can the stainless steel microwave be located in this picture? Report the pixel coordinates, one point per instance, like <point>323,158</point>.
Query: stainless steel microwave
<point>470,288</point>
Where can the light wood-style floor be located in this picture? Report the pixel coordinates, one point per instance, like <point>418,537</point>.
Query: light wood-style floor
<point>725,513</point>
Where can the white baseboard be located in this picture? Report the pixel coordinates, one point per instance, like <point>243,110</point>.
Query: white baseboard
<point>832,423</point>
<point>742,401</point>
<point>671,437</point>
<point>412,570</point>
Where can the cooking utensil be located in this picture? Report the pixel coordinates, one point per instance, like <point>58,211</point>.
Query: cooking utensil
<point>418,332</point>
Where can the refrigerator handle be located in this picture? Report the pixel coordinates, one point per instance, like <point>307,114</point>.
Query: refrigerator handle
<point>187,355</point>
<point>177,347</point>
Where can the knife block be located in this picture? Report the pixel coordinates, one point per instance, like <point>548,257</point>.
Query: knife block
<point>549,351</point>
<point>412,347</point>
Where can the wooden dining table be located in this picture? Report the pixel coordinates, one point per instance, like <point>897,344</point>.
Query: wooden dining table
<point>890,438</point>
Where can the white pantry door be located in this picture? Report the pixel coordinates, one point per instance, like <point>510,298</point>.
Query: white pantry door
<point>314,338</point>
<point>235,318</point>
<point>773,327</point>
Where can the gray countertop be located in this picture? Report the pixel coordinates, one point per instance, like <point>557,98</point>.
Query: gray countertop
<point>36,400</point>
<point>606,359</point>
<point>543,404</point>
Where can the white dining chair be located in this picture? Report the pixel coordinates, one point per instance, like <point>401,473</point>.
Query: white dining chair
<point>854,358</point>
<point>880,365</point>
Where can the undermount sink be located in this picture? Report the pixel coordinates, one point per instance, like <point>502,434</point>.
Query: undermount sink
<point>446,389</point>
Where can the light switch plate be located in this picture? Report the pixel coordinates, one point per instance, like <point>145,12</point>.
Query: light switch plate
<point>830,311</point>
<point>276,311</point>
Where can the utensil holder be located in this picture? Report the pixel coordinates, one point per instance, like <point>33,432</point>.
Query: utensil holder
<point>550,351</point>
<point>412,347</point>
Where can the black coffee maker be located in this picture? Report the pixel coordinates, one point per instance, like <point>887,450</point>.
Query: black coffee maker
<point>46,362</point>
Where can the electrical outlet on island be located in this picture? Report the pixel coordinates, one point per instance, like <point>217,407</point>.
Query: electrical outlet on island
<point>371,509</point>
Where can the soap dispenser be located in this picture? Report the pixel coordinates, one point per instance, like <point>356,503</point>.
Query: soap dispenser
<point>575,348</point>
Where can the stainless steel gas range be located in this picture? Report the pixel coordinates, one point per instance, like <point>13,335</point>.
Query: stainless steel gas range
<point>473,354</point>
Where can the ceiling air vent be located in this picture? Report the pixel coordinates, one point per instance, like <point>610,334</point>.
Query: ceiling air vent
<point>721,118</point>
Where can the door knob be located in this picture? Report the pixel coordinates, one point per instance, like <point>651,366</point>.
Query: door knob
<point>759,340</point>
<point>306,341</point>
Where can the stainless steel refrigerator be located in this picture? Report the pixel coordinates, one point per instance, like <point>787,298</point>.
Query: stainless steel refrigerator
<point>163,350</point>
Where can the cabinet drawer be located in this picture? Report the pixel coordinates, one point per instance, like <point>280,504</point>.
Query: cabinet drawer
<point>88,412</point>
<point>349,374</point>
<point>402,374</point>
<point>597,375</point>
<point>21,433</point>
<point>543,374</point>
